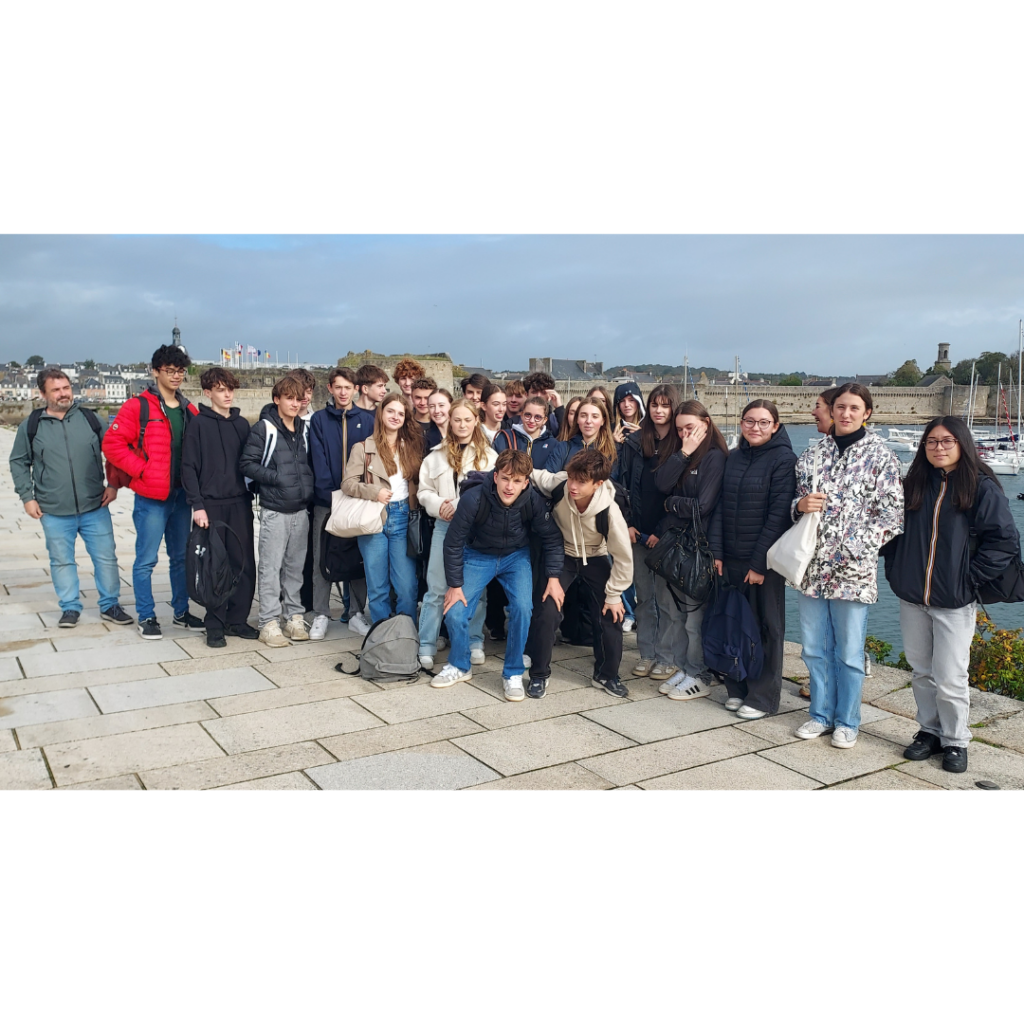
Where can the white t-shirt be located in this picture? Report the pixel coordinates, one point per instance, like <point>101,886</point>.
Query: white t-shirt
<point>399,487</point>
<point>488,433</point>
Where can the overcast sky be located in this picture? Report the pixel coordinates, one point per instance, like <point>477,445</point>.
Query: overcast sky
<point>820,304</point>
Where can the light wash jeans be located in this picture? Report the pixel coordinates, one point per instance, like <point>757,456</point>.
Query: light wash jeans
<point>938,647</point>
<point>433,600</point>
<point>514,573</point>
<point>98,534</point>
<point>169,521</point>
<point>387,563</point>
<point>833,634</point>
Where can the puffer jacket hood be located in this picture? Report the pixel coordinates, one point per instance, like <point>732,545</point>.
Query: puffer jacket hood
<point>629,388</point>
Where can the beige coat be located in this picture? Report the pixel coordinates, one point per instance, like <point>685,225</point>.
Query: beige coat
<point>437,484</point>
<point>583,540</point>
<point>365,481</point>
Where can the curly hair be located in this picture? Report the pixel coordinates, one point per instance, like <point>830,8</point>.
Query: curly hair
<point>408,368</point>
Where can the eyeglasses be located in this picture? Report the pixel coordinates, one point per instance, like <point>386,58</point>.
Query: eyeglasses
<point>173,371</point>
<point>758,424</point>
<point>532,416</point>
<point>940,442</point>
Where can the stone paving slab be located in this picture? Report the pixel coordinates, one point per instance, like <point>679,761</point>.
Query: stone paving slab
<point>73,640</point>
<point>309,649</point>
<point>888,778</point>
<point>987,706</point>
<point>1003,767</point>
<point>35,644</point>
<point>524,748</point>
<point>288,781</point>
<point>899,702</point>
<point>665,757</point>
<point>290,673</point>
<point>776,729</point>
<point>750,771</point>
<point>280,697</point>
<point>434,766</point>
<point>215,662</point>
<point>818,759</point>
<point>73,680</point>
<point>561,776</point>
<point>279,726</point>
<point>9,669</point>
<point>895,728</point>
<point>422,701</point>
<point>7,740</point>
<point>148,693</point>
<point>14,623</point>
<point>569,702</point>
<point>106,756</point>
<point>1006,732</point>
<point>24,769</point>
<point>118,782</point>
<point>55,706</point>
<point>195,646</point>
<point>149,653</point>
<point>651,720</point>
<point>386,738</point>
<point>225,771</point>
<point>111,725</point>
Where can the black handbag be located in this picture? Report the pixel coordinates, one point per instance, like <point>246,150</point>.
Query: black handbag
<point>418,536</point>
<point>683,558</point>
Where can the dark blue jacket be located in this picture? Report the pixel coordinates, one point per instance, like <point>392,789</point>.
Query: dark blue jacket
<point>540,450</point>
<point>563,451</point>
<point>332,433</point>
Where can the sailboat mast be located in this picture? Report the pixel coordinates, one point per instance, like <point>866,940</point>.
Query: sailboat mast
<point>1020,353</point>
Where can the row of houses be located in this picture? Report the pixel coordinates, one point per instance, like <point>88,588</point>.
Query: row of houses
<point>97,383</point>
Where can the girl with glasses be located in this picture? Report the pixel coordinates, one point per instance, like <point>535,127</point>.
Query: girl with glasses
<point>958,534</point>
<point>529,434</point>
<point>860,498</point>
<point>753,511</point>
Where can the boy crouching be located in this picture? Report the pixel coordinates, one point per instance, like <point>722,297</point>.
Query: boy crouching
<point>598,552</point>
<point>489,538</point>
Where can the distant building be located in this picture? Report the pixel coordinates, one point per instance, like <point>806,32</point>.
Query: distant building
<point>116,388</point>
<point>943,363</point>
<point>568,369</point>
<point>822,383</point>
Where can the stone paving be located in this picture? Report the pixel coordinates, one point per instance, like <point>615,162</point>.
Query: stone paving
<point>98,707</point>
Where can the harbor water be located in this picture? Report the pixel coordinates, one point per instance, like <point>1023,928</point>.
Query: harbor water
<point>884,617</point>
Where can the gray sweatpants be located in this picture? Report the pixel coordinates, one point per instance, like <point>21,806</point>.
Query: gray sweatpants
<point>938,647</point>
<point>283,540</point>
<point>321,587</point>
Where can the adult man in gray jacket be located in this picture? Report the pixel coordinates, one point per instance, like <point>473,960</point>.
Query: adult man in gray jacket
<point>58,474</point>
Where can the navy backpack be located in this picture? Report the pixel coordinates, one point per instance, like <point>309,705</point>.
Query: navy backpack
<point>731,636</point>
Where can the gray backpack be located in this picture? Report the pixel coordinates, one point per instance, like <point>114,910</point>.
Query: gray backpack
<point>389,653</point>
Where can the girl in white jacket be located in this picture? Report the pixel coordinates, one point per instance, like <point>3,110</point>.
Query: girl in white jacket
<point>464,449</point>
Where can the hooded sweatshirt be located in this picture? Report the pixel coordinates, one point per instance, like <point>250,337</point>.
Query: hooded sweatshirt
<point>583,540</point>
<point>210,455</point>
<point>539,449</point>
<point>629,388</point>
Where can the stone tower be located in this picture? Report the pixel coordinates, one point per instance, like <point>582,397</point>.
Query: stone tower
<point>942,362</point>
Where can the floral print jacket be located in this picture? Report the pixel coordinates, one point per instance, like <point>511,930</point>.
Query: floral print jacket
<point>863,510</point>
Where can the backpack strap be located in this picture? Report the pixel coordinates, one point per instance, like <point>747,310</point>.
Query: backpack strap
<point>143,422</point>
<point>33,426</point>
<point>509,440</point>
<point>269,444</point>
<point>601,522</point>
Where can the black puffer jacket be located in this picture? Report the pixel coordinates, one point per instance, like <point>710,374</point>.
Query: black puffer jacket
<point>753,511</point>
<point>930,563</point>
<point>210,454</point>
<point>629,468</point>
<point>504,530</point>
<point>286,482</point>
<point>687,488</point>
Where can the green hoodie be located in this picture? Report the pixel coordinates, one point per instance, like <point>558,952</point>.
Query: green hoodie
<point>66,476</point>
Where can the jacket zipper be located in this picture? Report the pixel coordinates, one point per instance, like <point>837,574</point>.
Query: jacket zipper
<point>71,465</point>
<point>933,543</point>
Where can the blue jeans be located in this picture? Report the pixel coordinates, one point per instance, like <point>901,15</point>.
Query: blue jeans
<point>833,634</point>
<point>388,565</point>
<point>98,534</point>
<point>514,573</point>
<point>433,600</point>
<point>169,521</point>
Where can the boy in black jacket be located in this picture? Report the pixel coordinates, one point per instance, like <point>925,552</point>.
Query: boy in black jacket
<point>216,491</point>
<point>489,538</point>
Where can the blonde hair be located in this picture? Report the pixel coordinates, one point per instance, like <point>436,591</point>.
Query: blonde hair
<point>409,441</point>
<point>605,442</point>
<point>477,441</point>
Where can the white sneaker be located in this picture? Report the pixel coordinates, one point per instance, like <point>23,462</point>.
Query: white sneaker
<point>844,737</point>
<point>358,624</point>
<point>477,656</point>
<point>295,628</point>
<point>811,729</point>
<point>513,687</point>
<point>749,713</point>
<point>627,624</point>
<point>427,662</point>
<point>527,661</point>
<point>450,675</point>
<point>689,688</point>
<point>672,682</point>
<point>272,636</point>
<point>734,704</point>
<point>319,628</point>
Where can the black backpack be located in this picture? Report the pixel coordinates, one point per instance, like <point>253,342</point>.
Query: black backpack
<point>601,519</point>
<point>1008,586</point>
<point>730,636</point>
<point>211,577</point>
<point>340,561</point>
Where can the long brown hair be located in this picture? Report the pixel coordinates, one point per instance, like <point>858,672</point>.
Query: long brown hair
<point>565,431</point>
<point>712,439</point>
<point>605,442</point>
<point>649,442</point>
<point>409,440</point>
<point>477,440</point>
<point>599,392</point>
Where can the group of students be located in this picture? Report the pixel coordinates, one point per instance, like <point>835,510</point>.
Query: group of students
<point>543,514</point>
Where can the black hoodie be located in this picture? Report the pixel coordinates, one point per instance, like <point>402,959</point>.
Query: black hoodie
<point>210,453</point>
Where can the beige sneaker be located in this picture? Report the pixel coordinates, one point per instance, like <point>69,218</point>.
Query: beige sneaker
<point>295,628</point>
<point>643,667</point>
<point>272,636</point>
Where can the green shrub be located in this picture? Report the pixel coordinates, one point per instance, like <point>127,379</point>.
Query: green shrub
<point>881,650</point>
<point>997,658</point>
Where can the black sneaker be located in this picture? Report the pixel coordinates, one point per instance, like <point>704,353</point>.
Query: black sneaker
<point>189,621</point>
<point>537,688</point>
<point>954,759</point>
<point>215,638</point>
<point>924,745</point>
<point>613,686</point>
<point>69,620</point>
<point>244,630</point>
<point>115,613</point>
<point>498,635</point>
<point>149,629</point>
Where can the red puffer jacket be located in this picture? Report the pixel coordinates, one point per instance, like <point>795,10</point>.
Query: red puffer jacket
<point>150,471</point>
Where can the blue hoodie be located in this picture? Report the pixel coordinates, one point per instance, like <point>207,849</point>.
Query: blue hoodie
<point>539,450</point>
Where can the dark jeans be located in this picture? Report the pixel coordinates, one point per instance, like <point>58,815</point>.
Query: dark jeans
<point>238,516</point>
<point>768,603</point>
<point>592,579</point>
